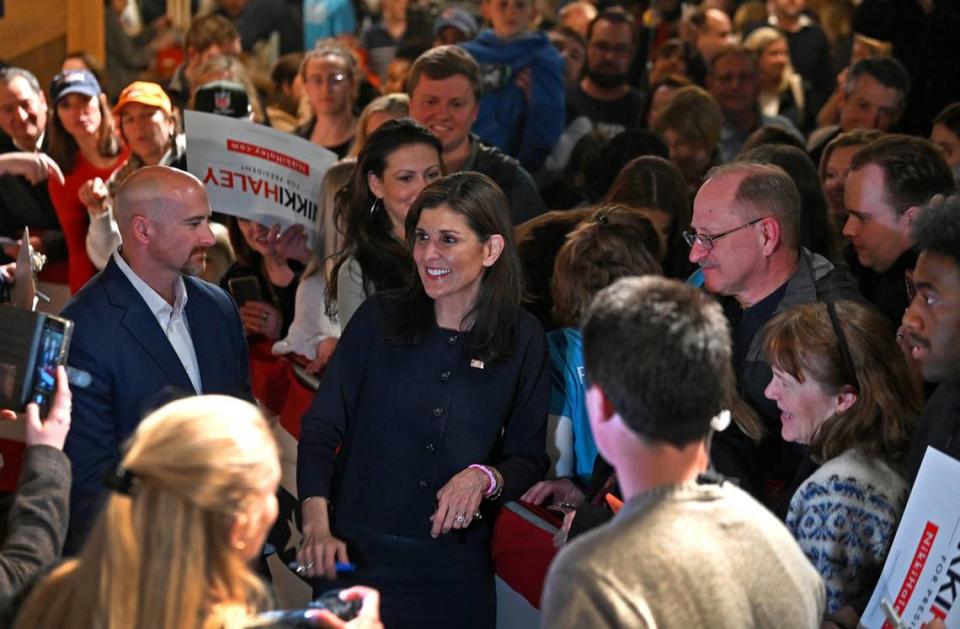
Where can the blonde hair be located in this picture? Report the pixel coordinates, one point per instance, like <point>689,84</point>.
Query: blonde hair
<point>160,557</point>
<point>397,105</point>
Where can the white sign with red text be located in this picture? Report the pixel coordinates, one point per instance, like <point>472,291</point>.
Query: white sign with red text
<point>255,172</point>
<point>921,578</point>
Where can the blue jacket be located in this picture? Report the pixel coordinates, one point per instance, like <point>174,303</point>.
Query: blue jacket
<point>134,369</point>
<point>527,131</point>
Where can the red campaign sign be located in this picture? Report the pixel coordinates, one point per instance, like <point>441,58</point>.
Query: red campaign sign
<point>236,146</point>
<point>916,568</point>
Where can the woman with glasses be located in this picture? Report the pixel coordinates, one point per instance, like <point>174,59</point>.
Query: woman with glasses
<point>330,80</point>
<point>844,391</point>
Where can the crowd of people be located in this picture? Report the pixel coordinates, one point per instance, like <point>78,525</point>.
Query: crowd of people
<point>649,266</point>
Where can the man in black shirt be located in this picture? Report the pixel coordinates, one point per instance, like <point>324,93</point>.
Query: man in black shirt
<point>890,180</point>
<point>603,95</point>
<point>744,235</point>
<point>932,324</point>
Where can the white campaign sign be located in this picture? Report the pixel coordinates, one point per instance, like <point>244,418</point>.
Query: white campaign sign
<point>921,578</point>
<point>256,172</point>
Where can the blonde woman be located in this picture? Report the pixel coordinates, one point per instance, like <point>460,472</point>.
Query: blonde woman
<point>782,90</point>
<point>192,502</point>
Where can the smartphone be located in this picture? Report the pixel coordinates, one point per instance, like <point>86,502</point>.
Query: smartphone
<point>51,353</point>
<point>244,289</point>
<point>32,345</point>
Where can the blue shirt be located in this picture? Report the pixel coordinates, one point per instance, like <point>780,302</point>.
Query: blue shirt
<point>568,397</point>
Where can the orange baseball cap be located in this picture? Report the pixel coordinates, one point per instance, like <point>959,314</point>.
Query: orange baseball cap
<point>144,93</point>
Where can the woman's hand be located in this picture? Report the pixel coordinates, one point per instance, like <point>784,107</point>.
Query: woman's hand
<point>560,538</point>
<point>260,317</point>
<point>324,352</point>
<point>319,549</point>
<point>458,502</point>
<point>34,167</point>
<point>563,492</point>
<point>290,245</point>
<point>93,194</point>
<point>367,618</point>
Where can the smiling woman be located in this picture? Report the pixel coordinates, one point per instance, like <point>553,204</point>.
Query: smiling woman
<point>435,402</point>
<point>398,160</point>
<point>844,389</point>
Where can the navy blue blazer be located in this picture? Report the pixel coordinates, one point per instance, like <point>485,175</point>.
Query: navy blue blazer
<point>134,369</point>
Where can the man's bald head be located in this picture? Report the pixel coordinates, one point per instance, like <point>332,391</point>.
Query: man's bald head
<point>152,192</point>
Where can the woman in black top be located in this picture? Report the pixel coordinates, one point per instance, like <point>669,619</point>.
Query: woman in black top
<point>431,413</point>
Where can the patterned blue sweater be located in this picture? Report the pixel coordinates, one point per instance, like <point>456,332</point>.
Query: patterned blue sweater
<point>844,517</point>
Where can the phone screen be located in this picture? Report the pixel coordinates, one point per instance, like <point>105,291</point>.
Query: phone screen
<point>49,356</point>
<point>244,289</point>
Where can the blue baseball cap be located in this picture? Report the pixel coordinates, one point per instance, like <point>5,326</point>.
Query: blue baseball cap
<point>74,82</point>
<point>459,19</point>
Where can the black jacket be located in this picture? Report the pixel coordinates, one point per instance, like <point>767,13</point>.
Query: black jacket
<point>506,172</point>
<point>23,204</point>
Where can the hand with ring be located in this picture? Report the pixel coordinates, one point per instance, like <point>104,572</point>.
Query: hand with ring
<point>261,318</point>
<point>458,502</point>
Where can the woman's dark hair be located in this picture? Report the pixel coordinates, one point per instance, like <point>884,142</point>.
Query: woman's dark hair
<point>817,231</point>
<point>493,318</point>
<point>385,263</point>
<point>602,169</point>
<point>284,72</point>
<point>244,253</point>
<point>656,184</point>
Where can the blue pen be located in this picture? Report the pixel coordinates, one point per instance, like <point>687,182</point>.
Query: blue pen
<point>341,566</point>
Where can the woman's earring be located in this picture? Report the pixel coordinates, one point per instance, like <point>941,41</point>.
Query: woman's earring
<point>373,208</point>
<point>240,545</point>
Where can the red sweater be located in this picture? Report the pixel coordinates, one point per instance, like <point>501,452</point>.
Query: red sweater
<point>73,216</point>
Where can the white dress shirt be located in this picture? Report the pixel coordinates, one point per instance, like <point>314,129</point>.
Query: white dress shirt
<point>172,319</point>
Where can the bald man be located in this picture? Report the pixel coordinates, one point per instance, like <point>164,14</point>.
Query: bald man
<point>147,330</point>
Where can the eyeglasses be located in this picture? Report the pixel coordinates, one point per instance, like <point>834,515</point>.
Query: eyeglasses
<point>335,80</point>
<point>706,241</point>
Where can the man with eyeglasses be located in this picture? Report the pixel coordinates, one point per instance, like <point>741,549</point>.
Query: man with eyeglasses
<point>745,238</point>
<point>603,95</point>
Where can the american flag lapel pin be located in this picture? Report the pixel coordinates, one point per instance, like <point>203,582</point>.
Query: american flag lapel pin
<point>476,364</point>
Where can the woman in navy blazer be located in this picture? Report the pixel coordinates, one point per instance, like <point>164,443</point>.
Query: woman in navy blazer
<point>431,414</point>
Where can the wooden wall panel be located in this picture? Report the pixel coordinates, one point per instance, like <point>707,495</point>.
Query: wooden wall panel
<point>30,24</point>
<point>85,27</point>
<point>36,34</point>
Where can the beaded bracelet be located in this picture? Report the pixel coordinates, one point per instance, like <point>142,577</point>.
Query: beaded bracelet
<point>489,472</point>
<point>495,494</point>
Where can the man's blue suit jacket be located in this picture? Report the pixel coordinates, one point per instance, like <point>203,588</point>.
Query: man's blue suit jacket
<point>116,338</point>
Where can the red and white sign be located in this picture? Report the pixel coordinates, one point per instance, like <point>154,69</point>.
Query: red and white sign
<point>255,172</point>
<point>921,578</point>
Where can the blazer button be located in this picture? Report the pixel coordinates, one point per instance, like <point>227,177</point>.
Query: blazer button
<point>431,447</point>
<point>444,376</point>
<point>422,484</point>
<point>453,339</point>
<point>437,412</point>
